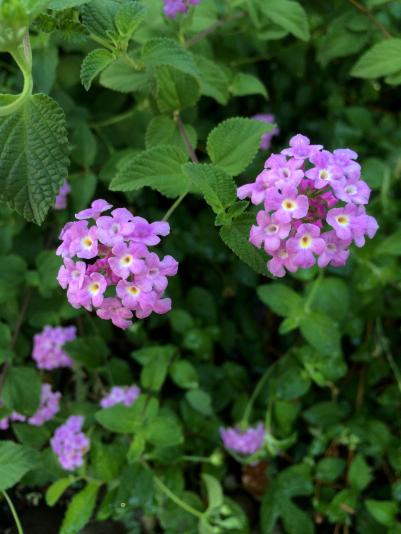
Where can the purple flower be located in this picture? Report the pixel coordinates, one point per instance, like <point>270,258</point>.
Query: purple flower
<point>127,259</point>
<point>280,262</point>
<point>269,232</point>
<point>61,198</point>
<point>174,7</point>
<point>352,190</point>
<point>300,147</point>
<point>247,442</point>
<point>96,209</point>
<point>47,347</point>
<point>49,406</point>
<point>113,230</point>
<point>256,191</point>
<point>267,137</point>
<point>156,271</point>
<point>134,297</point>
<point>148,233</point>
<point>325,170</point>
<point>120,395</point>
<point>287,203</point>
<point>336,252</point>
<point>71,274</point>
<point>113,309</point>
<point>70,444</point>
<point>307,241</point>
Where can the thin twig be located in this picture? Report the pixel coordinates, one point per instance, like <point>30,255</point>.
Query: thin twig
<point>14,512</point>
<point>372,19</point>
<point>213,27</point>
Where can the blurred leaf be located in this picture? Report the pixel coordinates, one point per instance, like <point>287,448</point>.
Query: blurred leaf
<point>15,461</point>
<point>383,511</point>
<point>381,59</point>
<point>80,509</point>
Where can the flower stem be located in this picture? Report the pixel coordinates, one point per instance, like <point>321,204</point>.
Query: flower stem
<point>256,391</point>
<point>13,512</point>
<point>179,502</point>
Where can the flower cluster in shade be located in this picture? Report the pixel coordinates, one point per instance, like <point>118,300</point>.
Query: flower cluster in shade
<point>112,254</point>
<point>49,406</point>
<point>246,441</point>
<point>61,198</point>
<point>172,8</point>
<point>70,444</point>
<point>120,395</point>
<point>48,350</point>
<point>267,137</point>
<point>314,207</point>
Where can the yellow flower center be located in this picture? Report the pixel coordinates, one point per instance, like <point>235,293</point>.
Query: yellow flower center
<point>134,290</point>
<point>288,205</point>
<point>324,175</point>
<point>305,241</point>
<point>94,288</point>
<point>342,220</point>
<point>126,260</point>
<point>87,242</point>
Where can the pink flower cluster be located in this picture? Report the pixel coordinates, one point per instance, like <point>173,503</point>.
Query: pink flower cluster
<point>120,395</point>
<point>248,441</point>
<point>313,207</point>
<point>117,247</point>
<point>70,444</point>
<point>61,198</point>
<point>49,406</point>
<point>267,137</point>
<point>173,7</point>
<point>48,347</point>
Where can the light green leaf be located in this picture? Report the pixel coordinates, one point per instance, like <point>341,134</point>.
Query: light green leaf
<point>154,373</point>
<point>391,245</point>
<point>15,462</point>
<point>33,157</point>
<point>164,131</point>
<point>359,474</point>
<point>236,237</point>
<point>66,4</point>
<point>233,144</point>
<point>93,64</point>
<point>200,401</point>
<point>118,418</point>
<point>245,84</point>
<point>289,15</point>
<point>162,51</point>
<point>175,90</point>
<point>383,511</point>
<point>128,18</point>
<point>55,490</point>
<point>184,374</point>
<point>329,469</point>
<point>283,300</point>
<point>80,509</point>
<point>123,78</point>
<point>164,431</point>
<point>321,332</point>
<point>213,80</point>
<point>217,187</point>
<point>98,16</point>
<point>158,168</point>
<point>381,59</point>
<point>214,490</point>
<point>21,391</point>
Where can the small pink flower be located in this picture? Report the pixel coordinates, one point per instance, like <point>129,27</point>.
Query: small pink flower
<point>301,148</point>
<point>336,251</point>
<point>112,309</point>
<point>71,274</point>
<point>352,190</point>
<point>96,209</point>
<point>268,232</point>
<point>287,203</point>
<point>128,259</point>
<point>148,233</point>
<point>305,244</point>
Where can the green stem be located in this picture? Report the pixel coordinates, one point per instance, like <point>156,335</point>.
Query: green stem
<point>390,358</point>
<point>203,459</point>
<point>101,41</point>
<point>179,502</point>
<point>174,206</point>
<point>256,391</point>
<point>312,293</point>
<point>14,513</point>
<point>113,120</point>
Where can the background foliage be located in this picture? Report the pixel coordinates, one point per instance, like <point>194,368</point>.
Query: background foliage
<point>143,100</point>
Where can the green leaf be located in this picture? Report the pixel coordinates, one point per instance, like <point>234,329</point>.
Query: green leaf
<point>281,299</point>
<point>184,374</point>
<point>33,157</point>
<point>162,51</point>
<point>200,401</point>
<point>136,487</point>
<point>383,511</point>
<point>321,332</point>
<point>233,144</point>
<point>331,298</point>
<point>245,84</point>
<point>15,462</point>
<point>391,245</point>
<point>107,460</point>
<point>175,90</point>
<point>66,4</point>
<point>164,131</point>
<point>236,235</point>
<point>381,59</point>
<point>98,17</point>
<point>80,509</point>
<point>128,18</point>
<point>93,64</point>
<point>217,187</point>
<point>289,15</point>
<point>164,431</point>
<point>31,436</point>
<point>359,474</point>
<point>154,373</point>
<point>214,491</point>
<point>118,418</point>
<point>329,469</point>
<point>91,351</point>
<point>158,168</point>
<point>12,273</point>
<point>55,490</point>
<point>22,389</point>
<point>213,80</point>
<point>119,76</point>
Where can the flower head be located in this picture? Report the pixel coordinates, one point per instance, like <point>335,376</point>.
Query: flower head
<point>248,441</point>
<point>61,198</point>
<point>70,444</point>
<point>120,395</point>
<point>49,406</point>
<point>48,350</point>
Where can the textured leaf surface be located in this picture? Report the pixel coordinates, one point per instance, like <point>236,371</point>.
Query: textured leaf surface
<point>213,79</point>
<point>175,90</point>
<point>233,144</point>
<point>33,157</point>
<point>123,78</point>
<point>15,461</point>
<point>93,64</point>
<point>158,168</point>
<point>164,131</point>
<point>289,15</point>
<point>235,236</point>
<point>382,59</point>
<point>161,51</point>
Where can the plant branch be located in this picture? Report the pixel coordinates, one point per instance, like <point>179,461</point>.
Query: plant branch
<point>179,502</point>
<point>14,512</point>
<point>256,391</point>
<point>372,19</point>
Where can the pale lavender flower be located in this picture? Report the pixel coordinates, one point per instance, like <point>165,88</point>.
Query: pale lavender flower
<point>61,198</point>
<point>49,406</point>
<point>120,395</point>
<point>246,441</point>
<point>70,443</point>
<point>48,350</point>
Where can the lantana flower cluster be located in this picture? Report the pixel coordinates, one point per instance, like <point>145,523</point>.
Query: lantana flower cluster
<point>48,350</point>
<point>112,255</point>
<point>61,198</point>
<point>314,207</point>
<point>70,444</point>
<point>120,395</point>
<point>49,406</point>
<point>246,441</point>
<point>267,137</point>
<point>172,8</point>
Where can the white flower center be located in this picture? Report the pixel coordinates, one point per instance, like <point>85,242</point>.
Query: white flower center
<point>289,204</point>
<point>133,290</point>
<point>126,260</point>
<point>342,220</point>
<point>305,241</point>
<point>271,229</point>
<point>94,288</point>
<point>87,242</point>
<point>324,174</point>
<point>350,190</point>
<point>283,254</point>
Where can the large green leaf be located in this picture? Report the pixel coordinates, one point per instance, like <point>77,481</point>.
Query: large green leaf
<point>289,15</point>
<point>321,332</point>
<point>158,168</point>
<point>213,79</point>
<point>121,77</point>
<point>80,509</point>
<point>175,90</point>
<point>233,144</point>
<point>283,300</point>
<point>381,59</point>
<point>93,64</point>
<point>162,51</point>
<point>15,461</point>
<point>21,390</point>
<point>33,156</point>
